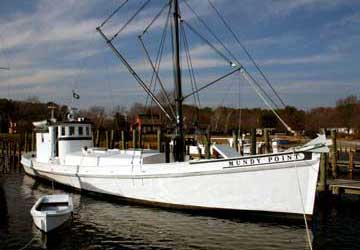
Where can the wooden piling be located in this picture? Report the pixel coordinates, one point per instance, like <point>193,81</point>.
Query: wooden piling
<point>106,139</point>
<point>322,187</point>
<point>26,142</point>
<point>235,139</point>
<point>267,141</point>
<point>134,139</point>
<point>351,161</point>
<point>123,140</point>
<point>167,150</point>
<point>208,145</point>
<point>140,139</point>
<point>33,142</point>
<point>333,154</point>
<point>97,138</point>
<point>253,141</point>
<point>112,139</point>
<point>159,140</point>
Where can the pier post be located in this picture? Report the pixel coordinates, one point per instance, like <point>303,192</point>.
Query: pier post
<point>167,150</point>
<point>322,187</point>
<point>235,140</point>
<point>97,138</point>
<point>253,141</point>
<point>25,142</point>
<point>333,154</point>
<point>140,139</point>
<point>159,140</point>
<point>351,161</point>
<point>267,141</point>
<point>112,139</point>
<point>134,138</point>
<point>208,145</point>
<point>123,140</point>
<point>106,139</point>
<point>33,144</point>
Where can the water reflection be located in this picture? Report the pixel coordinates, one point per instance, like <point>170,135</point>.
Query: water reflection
<point>102,224</point>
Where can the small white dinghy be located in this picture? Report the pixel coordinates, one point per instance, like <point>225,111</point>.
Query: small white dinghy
<point>51,211</point>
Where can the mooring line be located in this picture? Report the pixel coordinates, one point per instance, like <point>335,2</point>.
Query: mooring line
<point>27,244</point>
<point>303,207</point>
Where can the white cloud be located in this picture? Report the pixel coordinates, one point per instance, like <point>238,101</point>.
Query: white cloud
<point>312,59</point>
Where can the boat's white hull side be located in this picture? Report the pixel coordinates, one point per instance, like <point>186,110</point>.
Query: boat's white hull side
<point>287,187</point>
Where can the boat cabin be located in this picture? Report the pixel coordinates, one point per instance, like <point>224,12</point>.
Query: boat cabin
<point>55,140</point>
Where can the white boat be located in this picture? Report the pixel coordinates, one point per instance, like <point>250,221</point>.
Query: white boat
<point>279,182</point>
<point>51,211</point>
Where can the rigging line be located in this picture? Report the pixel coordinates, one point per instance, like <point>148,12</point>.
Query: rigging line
<point>187,61</point>
<point>187,50</point>
<point>208,42</point>
<point>161,47</point>
<point>133,73</point>
<point>112,14</point>
<point>213,82</point>
<point>247,52</point>
<point>190,74</point>
<point>192,78</point>
<point>308,237</point>
<point>231,63</point>
<point>156,17</point>
<point>131,19</point>
<point>159,53</point>
<point>252,81</point>
<point>211,31</point>
<point>157,75</point>
<point>239,103</point>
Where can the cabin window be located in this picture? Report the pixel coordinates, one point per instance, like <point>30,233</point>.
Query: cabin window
<point>87,131</point>
<point>80,130</point>
<point>62,131</point>
<point>71,130</point>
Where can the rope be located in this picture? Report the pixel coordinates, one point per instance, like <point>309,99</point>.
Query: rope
<point>211,31</point>
<point>246,51</point>
<point>112,14</point>
<point>28,244</point>
<point>131,19</point>
<point>228,60</point>
<point>190,67</point>
<point>157,76</point>
<point>308,236</point>
<point>156,17</point>
<point>207,42</point>
<point>159,54</point>
<point>251,80</point>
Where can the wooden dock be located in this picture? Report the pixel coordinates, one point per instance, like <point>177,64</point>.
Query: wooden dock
<point>343,186</point>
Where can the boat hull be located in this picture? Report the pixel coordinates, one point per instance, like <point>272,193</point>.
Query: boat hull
<point>51,211</point>
<point>48,223</point>
<point>284,187</point>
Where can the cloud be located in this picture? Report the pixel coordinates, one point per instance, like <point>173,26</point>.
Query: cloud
<point>312,59</point>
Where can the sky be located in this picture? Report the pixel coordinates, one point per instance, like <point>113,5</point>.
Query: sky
<point>308,49</point>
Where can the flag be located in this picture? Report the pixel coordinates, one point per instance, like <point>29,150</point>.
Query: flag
<point>75,95</point>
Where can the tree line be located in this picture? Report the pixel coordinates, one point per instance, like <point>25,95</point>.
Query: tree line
<point>219,120</point>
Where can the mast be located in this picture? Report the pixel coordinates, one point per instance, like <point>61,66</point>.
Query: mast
<point>179,136</point>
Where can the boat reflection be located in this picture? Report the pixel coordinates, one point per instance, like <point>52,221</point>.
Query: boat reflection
<point>102,224</point>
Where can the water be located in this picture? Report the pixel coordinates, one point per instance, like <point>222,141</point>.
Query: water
<point>103,224</point>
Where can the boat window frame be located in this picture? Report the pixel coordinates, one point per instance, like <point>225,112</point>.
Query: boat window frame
<point>71,130</point>
<point>80,130</point>
<point>87,130</point>
<point>63,131</point>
